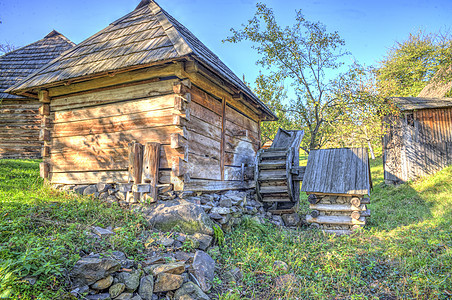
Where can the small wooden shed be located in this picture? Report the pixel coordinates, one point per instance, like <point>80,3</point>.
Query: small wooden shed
<point>19,118</point>
<point>418,141</point>
<point>146,78</point>
<point>337,182</point>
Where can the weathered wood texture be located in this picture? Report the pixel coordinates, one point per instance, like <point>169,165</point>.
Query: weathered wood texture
<point>417,143</point>
<point>20,125</point>
<point>91,132</point>
<point>338,171</point>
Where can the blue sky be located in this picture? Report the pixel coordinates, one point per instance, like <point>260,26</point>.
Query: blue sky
<point>368,27</point>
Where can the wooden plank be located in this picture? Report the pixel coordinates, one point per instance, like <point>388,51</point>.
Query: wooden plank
<point>44,109</point>
<point>241,120</point>
<point>202,145</point>
<point>43,96</point>
<point>273,189</point>
<point>151,165</point>
<point>223,140</point>
<point>203,167</point>
<point>272,164</point>
<point>203,113</point>
<point>165,70</point>
<point>44,170</point>
<point>114,140</point>
<point>239,157</point>
<point>337,207</point>
<point>336,220</point>
<point>150,119</point>
<point>145,91</point>
<point>204,128</point>
<point>116,109</point>
<point>99,158</point>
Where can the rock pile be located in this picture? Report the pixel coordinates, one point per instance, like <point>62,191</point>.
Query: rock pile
<point>113,276</point>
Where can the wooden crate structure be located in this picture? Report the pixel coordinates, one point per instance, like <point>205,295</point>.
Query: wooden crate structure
<point>338,182</point>
<point>20,121</point>
<point>146,78</point>
<point>418,141</point>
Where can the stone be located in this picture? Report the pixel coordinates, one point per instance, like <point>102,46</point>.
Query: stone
<point>80,290</point>
<point>103,296</point>
<point>124,296</point>
<point>167,282</point>
<point>88,270</point>
<point>204,240</point>
<point>103,283</point>
<point>277,220</point>
<point>285,281</point>
<point>190,291</point>
<point>181,238</point>
<point>121,196</point>
<point>102,232</point>
<point>184,256</point>
<point>91,190</point>
<point>146,289</point>
<point>103,196</point>
<point>131,280</point>
<point>280,266</point>
<point>103,187</point>
<point>190,218</point>
<point>79,189</point>
<point>220,210</point>
<point>215,216</point>
<point>173,268</point>
<point>112,199</point>
<point>136,297</point>
<point>118,255</point>
<point>203,269</point>
<point>291,219</point>
<point>226,202</point>
<point>117,289</point>
<point>166,241</point>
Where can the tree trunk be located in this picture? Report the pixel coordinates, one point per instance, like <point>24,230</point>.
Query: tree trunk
<point>371,150</point>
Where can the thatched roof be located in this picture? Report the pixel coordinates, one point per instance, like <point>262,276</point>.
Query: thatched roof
<point>18,64</point>
<point>143,37</point>
<point>413,103</point>
<point>439,86</point>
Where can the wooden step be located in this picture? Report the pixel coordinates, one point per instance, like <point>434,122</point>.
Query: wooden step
<point>273,189</point>
<point>272,164</point>
<point>276,199</point>
<point>336,220</point>
<point>272,174</point>
<point>271,154</point>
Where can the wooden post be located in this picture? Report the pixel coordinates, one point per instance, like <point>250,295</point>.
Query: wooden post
<point>44,170</point>
<point>44,133</point>
<point>135,165</point>
<point>151,165</point>
<point>223,145</point>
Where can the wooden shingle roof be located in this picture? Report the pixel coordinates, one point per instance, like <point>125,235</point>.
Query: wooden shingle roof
<point>413,103</point>
<point>338,171</point>
<point>17,65</point>
<point>145,36</point>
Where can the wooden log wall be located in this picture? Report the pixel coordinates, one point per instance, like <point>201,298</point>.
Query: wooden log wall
<point>223,142</point>
<point>340,214</point>
<point>19,129</point>
<point>418,143</point>
<point>90,132</point>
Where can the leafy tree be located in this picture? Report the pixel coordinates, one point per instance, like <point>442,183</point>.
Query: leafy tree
<point>303,54</point>
<point>411,64</point>
<point>6,48</point>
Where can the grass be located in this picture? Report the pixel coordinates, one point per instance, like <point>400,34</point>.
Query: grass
<point>404,252</point>
<point>43,232</point>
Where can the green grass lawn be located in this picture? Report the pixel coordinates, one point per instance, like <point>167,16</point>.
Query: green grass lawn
<point>404,252</point>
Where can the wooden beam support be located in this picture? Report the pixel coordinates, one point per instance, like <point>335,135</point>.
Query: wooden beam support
<point>43,96</point>
<point>44,169</point>
<point>44,109</point>
<point>223,136</point>
<point>45,151</point>
<point>151,165</point>
<point>135,165</point>
<point>178,141</point>
<point>44,135</point>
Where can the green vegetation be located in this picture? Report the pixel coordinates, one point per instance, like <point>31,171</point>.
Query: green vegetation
<point>43,232</point>
<point>405,251</point>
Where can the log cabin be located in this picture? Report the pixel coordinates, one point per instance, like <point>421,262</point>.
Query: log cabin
<point>338,182</point>
<point>418,141</point>
<point>146,80</point>
<point>19,118</point>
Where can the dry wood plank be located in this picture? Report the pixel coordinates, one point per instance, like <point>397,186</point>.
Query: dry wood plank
<point>205,114</point>
<point>44,170</point>
<point>202,127</point>
<point>202,145</point>
<point>273,189</point>
<point>44,109</point>
<point>241,120</point>
<point>271,174</point>
<point>151,119</point>
<point>43,96</point>
<point>203,167</point>
<point>276,199</point>
<point>336,220</point>
<point>116,109</point>
<point>239,158</point>
<point>206,100</point>
<point>337,207</point>
<point>116,139</point>
<point>272,164</point>
<point>147,90</point>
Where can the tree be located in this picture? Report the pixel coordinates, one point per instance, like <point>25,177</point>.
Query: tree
<point>411,64</point>
<point>6,48</point>
<point>303,54</point>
